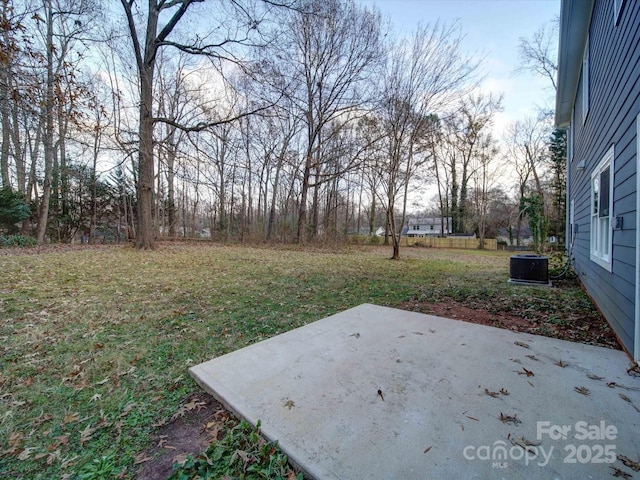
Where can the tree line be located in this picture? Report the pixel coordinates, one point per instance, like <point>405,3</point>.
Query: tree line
<point>266,120</point>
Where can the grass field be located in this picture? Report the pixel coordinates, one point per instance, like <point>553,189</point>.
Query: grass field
<point>95,343</point>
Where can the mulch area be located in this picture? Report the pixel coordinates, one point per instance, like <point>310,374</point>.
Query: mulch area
<point>591,329</point>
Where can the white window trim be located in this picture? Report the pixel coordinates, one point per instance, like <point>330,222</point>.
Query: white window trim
<point>572,221</point>
<point>585,81</point>
<point>617,10</point>
<point>605,261</point>
<point>636,348</point>
<point>572,127</point>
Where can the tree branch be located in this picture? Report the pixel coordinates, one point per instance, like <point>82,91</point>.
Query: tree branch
<point>198,127</point>
<point>132,30</point>
<point>168,28</point>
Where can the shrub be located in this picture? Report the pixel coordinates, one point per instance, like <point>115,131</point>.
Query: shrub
<point>13,209</point>
<point>17,241</point>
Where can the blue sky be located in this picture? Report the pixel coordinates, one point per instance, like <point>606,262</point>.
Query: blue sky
<point>492,27</point>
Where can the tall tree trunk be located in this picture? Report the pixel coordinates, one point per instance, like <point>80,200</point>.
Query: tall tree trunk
<point>274,194</point>
<point>144,233</point>
<point>301,236</point>
<point>171,196</point>
<point>5,179</point>
<point>18,151</point>
<point>43,215</point>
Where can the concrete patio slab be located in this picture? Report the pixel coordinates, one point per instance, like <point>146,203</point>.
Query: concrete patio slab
<point>568,410</point>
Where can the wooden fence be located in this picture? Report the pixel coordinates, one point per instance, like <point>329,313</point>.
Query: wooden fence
<point>449,242</point>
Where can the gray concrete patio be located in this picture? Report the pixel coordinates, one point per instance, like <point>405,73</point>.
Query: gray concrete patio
<point>457,400</point>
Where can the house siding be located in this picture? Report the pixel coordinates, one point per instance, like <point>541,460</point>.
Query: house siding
<point>614,103</point>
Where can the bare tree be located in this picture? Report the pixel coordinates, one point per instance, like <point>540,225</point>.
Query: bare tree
<point>538,54</point>
<point>485,177</point>
<point>423,77</point>
<point>334,45</point>
<point>466,132</point>
<point>157,35</point>
<point>61,26</point>
<point>528,151</point>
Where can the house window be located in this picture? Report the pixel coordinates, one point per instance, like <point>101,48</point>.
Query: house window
<point>617,10</point>
<point>585,81</point>
<point>601,211</point>
<point>416,227</point>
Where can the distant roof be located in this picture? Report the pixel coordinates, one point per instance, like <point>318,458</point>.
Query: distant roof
<point>575,17</point>
<point>427,221</point>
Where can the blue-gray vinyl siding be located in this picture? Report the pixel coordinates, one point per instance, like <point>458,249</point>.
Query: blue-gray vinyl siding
<point>614,103</point>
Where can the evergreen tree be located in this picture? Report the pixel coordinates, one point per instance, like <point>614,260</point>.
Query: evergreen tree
<point>13,210</point>
<point>558,165</point>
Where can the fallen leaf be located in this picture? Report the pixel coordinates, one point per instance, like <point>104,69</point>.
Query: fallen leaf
<point>179,459</point>
<point>213,432</point>
<point>633,370</point>
<point>533,357</point>
<point>582,390</point>
<point>491,394</point>
<point>591,376</point>
<point>86,434</point>
<point>426,450</point>
<point>619,385</point>
<point>289,404</point>
<point>70,418</point>
<point>526,372</point>
<point>187,407</point>
<point>60,440</point>
<point>15,439</point>
<point>45,417</point>
<point>26,453</point>
<point>141,458</point>
<point>521,344</point>
<point>53,456</point>
<point>635,466</point>
<point>561,364</point>
<point>357,335</point>
<point>243,455</point>
<point>513,419</point>
<point>628,400</point>
<point>619,473</point>
<point>127,409</point>
<point>525,444</point>
<point>103,423</point>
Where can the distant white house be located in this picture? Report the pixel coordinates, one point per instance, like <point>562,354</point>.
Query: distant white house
<point>429,227</point>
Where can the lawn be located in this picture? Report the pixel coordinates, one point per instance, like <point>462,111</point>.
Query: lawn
<point>95,343</point>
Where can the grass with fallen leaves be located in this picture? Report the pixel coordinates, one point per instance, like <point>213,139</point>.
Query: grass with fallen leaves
<point>95,343</point>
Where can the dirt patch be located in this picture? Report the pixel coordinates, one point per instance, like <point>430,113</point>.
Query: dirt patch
<point>584,327</point>
<point>196,424</point>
